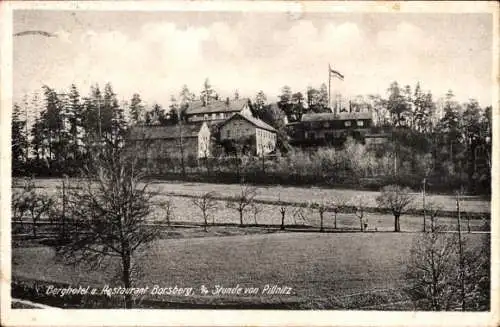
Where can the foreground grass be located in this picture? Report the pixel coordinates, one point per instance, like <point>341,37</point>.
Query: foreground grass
<point>320,268</point>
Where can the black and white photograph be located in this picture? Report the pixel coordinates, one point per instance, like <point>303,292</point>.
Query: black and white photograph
<point>288,157</point>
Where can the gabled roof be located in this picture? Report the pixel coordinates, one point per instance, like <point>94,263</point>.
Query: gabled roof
<point>339,116</point>
<point>254,121</point>
<point>164,132</point>
<point>216,106</point>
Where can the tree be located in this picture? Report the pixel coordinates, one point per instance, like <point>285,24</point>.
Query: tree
<point>397,105</point>
<point>260,100</point>
<point>298,105</point>
<point>52,126</point>
<point>242,201</point>
<point>76,121</point>
<point>359,211</point>
<point>323,97</point>
<point>116,125</point>
<point>112,205</point>
<point>22,200</point>
<point>156,116</point>
<point>432,272</point>
<point>432,211</point>
<point>471,135</point>
<point>19,139</point>
<point>380,110</point>
<point>338,204</point>
<point>256,210</point>
<point>38,206</point>
<point>397,200</point>
<point>93,114</point>
<point>450,124</point>
<point>136,109</point>
<point>208,94</point>
<point>207,203</point>
<point>285,102</point>
<point>173,114</point>
<point>436,281</point>
<point>185,98</point>
<point>321,207</point>
<point>168,209</point>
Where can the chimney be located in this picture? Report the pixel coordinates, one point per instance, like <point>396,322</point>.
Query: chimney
<point>227,101</point>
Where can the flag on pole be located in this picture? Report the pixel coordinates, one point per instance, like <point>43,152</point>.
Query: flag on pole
<point>335,73</point>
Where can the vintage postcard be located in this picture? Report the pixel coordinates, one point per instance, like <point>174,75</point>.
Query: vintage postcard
<point>249,163</point>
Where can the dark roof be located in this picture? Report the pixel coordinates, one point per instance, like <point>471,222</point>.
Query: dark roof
<point>339,116</point>
<point>164,132</point>
<point>254,121</point>
<point>196,107</point>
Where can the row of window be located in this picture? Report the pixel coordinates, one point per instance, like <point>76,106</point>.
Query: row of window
<point>347,123</point>
<point>214,116</point>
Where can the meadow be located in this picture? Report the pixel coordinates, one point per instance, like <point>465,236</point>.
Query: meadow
<point>322,270</point>
<point>477,204</point>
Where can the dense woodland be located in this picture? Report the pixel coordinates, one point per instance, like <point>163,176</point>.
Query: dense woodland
<point>445,142</point>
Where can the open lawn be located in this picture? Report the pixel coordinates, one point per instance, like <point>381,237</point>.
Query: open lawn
<point>319,268</point>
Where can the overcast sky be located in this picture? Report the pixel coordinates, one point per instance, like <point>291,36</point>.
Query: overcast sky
<point>155,53</point>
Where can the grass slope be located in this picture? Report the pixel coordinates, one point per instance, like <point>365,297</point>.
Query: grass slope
<point>317,267</point>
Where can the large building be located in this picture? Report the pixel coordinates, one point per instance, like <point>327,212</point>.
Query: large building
<point>318,128</point>
<point>245,126</point>
<point>157,142</point>
<point>215,111</point>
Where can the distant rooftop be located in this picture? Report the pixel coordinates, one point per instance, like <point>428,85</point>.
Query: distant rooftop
<point>338,116</point>
<point>216,106</point>
<point>164,132</point>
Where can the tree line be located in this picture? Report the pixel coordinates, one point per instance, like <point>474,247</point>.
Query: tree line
<point>444,141</point>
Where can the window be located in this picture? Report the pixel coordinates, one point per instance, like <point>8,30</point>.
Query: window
<point>214,116</point>
<point>326,125</point>
<point>228,133</point>
<point>347,123</point>
<point>205,117</point>
<point>360,123</point>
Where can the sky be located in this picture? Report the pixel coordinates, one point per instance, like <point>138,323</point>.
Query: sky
<point>155,53</point>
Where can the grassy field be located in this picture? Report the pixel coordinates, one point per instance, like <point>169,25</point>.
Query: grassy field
<point>318,267</point>
<point>302,194</point>
<point>185,211</point>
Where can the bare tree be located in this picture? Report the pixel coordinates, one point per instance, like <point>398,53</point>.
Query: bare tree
<point>298,213</point>
<point>435,277</point>
<point>432,271</point>
<point>38,206</point>
<point>338,204</point>
<point>112,205</point>
<point>321,207</point>
<point>359,211</point>
<point>167,207</point>
<point>432,211</point>
<point>256,210</point>
<point>397,200</point>
<point>460,250</point>
<point>21,200</point>
<point>207,204</point>
<point>242,201</point>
